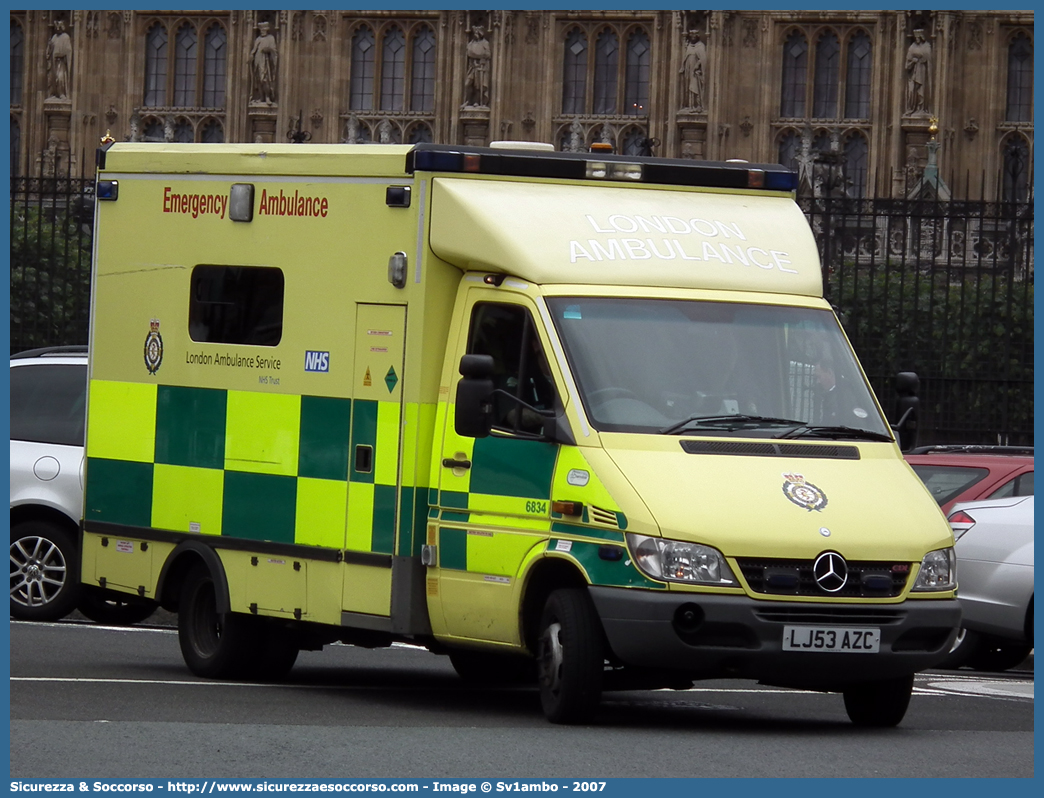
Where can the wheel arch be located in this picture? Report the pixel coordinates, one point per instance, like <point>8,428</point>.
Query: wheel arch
<point>547,575</point>
<point>176,568</point>
<point>1029,621</point>
<point>40,512</point>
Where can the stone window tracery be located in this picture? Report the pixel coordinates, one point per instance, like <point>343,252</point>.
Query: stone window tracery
<point>1020,79</point>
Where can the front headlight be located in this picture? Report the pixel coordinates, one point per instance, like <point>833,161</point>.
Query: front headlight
<point>676,561</point>
<point>938,571</point>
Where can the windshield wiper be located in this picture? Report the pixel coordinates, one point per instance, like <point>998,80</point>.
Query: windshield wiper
<point>736,419</point>
<point>828,431</point>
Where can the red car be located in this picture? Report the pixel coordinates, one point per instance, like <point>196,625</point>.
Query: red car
<point>958,473</point>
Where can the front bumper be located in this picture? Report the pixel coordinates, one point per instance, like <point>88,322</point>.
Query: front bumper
<point>709,636</point>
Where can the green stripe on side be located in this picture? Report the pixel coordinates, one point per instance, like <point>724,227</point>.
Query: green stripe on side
<point>453,498</point>
<point>587,532</point>
<point>325,437</point>
<point>513,467</point>
<point>259,506</point>
<point>190,426</point>
<point>364,433</point>
<point>118,492</point>
<point>610,573</point>
<point>453,549</point>
<point>383,540</point>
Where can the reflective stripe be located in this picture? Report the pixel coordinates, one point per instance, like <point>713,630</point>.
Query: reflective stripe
<point>186,499</point>
<point>262,432</point>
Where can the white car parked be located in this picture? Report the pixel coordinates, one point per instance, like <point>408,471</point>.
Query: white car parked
<point>48,410</point>
<point>994,582</point>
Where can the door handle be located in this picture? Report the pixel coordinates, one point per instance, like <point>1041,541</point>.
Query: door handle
<point>450,463</point>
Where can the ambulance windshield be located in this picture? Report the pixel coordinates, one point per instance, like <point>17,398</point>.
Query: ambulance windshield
<point>715,368</point>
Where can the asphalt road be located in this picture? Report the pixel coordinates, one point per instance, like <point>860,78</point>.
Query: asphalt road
<point>99,702</point>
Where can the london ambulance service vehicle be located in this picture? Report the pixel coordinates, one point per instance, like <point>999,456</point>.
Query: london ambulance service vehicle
<point>582,416</point>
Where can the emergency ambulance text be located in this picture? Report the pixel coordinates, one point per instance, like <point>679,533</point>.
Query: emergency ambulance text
<point>195,204</point>
<point>284,205</point>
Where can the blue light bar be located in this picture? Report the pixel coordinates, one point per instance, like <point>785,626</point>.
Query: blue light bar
<point>781,181</point>
<point>108,190</point>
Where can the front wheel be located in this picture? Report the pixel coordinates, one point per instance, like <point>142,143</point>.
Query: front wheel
<point>44,572</point>
<point>570,657</point>
<point>880,704</point>
<point>215,645</point>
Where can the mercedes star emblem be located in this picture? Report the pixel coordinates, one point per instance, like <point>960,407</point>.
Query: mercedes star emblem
<point>830,571</point>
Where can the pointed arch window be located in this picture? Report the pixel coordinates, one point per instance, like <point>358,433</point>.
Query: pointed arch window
<point>393,70</point>
<point>636,86</point>
<point>1020,80</point>
<point>607,60</point>
<point>212,133</point>
<point>795,74</point>
<point>857,79</point>
<point>185,67</point>
<point>198,75</point>
<point>422,81</point>
<point>17,62</point>
<point>400,77</point>
<point>364,54</point>
<point>156,66</point>
<point>214,67</point>
<point>789,147</point>
<point>828,70</point>
<point>574,73</point>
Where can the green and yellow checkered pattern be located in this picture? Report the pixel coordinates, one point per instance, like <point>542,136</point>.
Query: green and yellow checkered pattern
<point>259,466</point>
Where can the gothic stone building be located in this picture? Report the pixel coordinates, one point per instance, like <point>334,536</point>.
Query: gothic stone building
<point>874,92</point>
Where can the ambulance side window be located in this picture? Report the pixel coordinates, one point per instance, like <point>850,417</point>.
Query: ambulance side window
<point>236,305</point>
<point>507,333</point>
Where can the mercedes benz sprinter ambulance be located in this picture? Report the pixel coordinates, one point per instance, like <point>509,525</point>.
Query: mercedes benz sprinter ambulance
<point>580,418</point>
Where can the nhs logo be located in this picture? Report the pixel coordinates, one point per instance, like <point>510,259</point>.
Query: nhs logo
<point>317,361</point>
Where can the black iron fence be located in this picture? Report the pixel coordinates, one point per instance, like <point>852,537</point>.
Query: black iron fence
<point>941,288</point>
<point>944,289</point>
<point>52,221</point>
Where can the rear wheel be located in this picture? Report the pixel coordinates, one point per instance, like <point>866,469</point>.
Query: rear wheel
<point>570,657</point>
<point>881,703</point>
<point>45,580</point>
<point>999,655</point>
<point>114,611</point>
<point>215,645</point>
<point>486,668</point>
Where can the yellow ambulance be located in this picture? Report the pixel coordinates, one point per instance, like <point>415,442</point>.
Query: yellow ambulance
<point>579,418</point>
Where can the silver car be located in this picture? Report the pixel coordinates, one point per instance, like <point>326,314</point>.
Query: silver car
<point>48,409</point>
<point>994,582</point>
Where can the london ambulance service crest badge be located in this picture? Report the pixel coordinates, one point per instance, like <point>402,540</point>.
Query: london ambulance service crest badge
<point>153,347</point>
<point>803,493</point>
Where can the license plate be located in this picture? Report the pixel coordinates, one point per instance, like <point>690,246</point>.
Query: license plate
<point>846,639</point>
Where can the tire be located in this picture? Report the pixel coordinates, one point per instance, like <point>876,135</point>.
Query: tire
<point>114,611</point>
<point>964,647</point>
<point>570,657</point>
<point>880,704</point>
<point>492,670</point>
<point>996,654</point>
<point>215,645</point>
<point>45,572</point>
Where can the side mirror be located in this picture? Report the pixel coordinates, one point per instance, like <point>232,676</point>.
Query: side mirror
<point>907,403</point>
<point>474,408</point>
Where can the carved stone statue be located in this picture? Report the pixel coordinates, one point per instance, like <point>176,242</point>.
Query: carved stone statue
<point>135,127</point>
<point>476,82</point>
<point>384,132</point>
<point>351,130</point>
<point>919,71</point>
<point>576,137</point>
<point>168,129</point>
<point>264,63</point>
<point>59,62</point>
<point>693,69</point>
